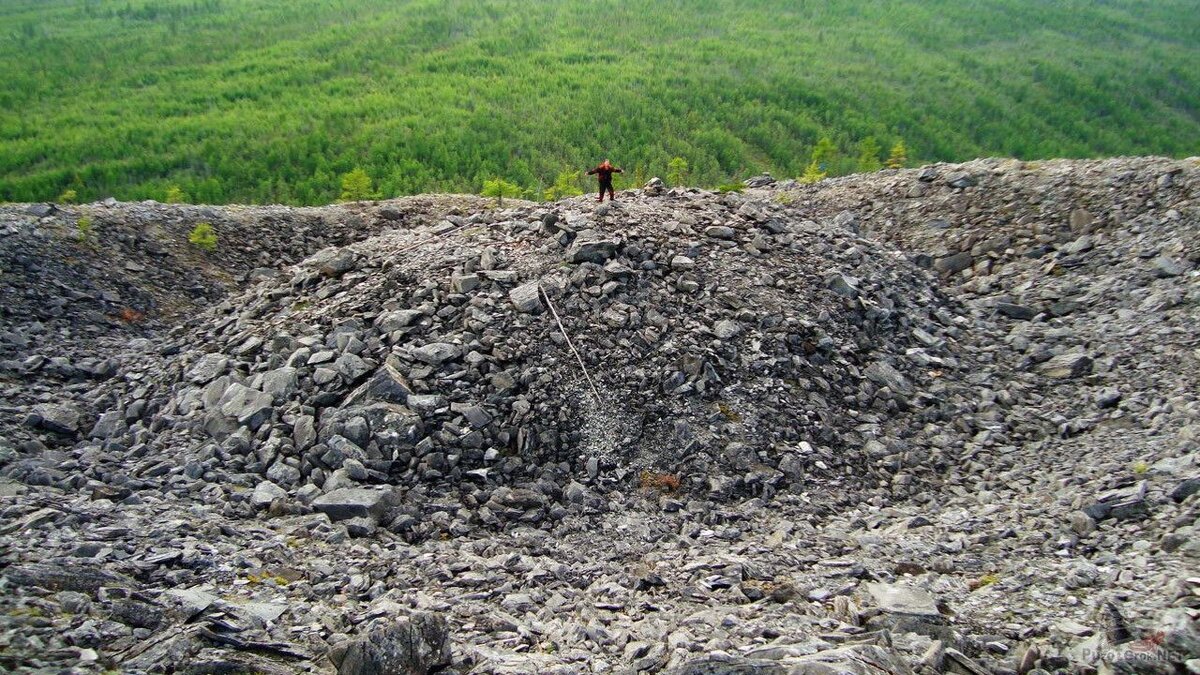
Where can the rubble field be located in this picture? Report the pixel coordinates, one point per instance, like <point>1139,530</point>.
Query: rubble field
<point>935,420</point>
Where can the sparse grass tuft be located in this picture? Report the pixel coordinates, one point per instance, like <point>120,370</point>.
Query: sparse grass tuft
<point>729,413</point>
<point>265,577</point>
<point>986,580</point>
<point>1140,467</point>
<point>85,231</point>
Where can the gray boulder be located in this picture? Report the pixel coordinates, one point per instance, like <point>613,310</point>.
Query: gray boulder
<point>351,367</point>
<point>387,384</point>
<point>414,645</point>
<point>265,493</point>
<point>727,329</point>
<point>1165,267</point>
<point>897,599</point>
<point>854,660</point>
<point>393,321</point>
<point>682,263</point>
<point>593,251</point>
<point>110,424</point>
<point>885,375</point>
<point>437,353</point>
<point>1015,311</point>
<point>61,418</point>
<point>761,180</point>
<point>952,264</point>
<point>333,262</point>
<point>280,383</point>
<point>1066,366</point>
<point>346,503</point>
<point>207,368</point>
<point>249,407</point>
<point>526,298</point>
<point>961,179</point>
<point>842,285</point>
<point>720,232</point>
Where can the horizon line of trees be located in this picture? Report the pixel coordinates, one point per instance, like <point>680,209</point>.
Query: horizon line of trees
<point>826,160</point>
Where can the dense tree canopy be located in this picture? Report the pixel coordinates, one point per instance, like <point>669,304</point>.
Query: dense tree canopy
<point>277,100</point>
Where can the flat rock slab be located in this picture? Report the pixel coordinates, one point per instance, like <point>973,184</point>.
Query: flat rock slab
<point>953,264</point>
<point>525,298</point>
<point>899,599</point>
<point>64,576</point>
<point>345,503</point>
<point>189,602</point>
<point>1066,366</point>
<point>1015,311</point>
<point>843,285</point>
<point>61,418</point>
<point>856,660</point>
<point>885,375</point>
<point>437,353</point>
<point>393,321</point>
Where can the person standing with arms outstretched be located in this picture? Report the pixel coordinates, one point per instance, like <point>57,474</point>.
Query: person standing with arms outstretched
<point>604,173</point>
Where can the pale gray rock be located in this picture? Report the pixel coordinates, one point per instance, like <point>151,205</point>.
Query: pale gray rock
<point>899,599</point>
<point>953,264</point>
<point>961,179</point>
<point>842,285</point>
<point>437,353</point>
<point>346,503</point>
<point>526,298</point>
<point>886,375</point>
<point>1066,366</point>
<point>720,232</point>
<point>393,321</point>
<point>726,329</point>
<point>265,493</point>
<point>248,407</point>
<point>60,418</point>
<point>109,425</point>
<point>682,263</point>
<point>281,383</point>
<point>333,262</point>
<point>351,367</point>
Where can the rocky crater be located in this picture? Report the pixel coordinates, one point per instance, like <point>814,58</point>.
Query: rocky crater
<point>931,420</point>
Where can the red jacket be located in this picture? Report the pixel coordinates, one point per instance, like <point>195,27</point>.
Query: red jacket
<point>604,172</point>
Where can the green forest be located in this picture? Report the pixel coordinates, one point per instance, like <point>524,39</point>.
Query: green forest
<point>293,101</point>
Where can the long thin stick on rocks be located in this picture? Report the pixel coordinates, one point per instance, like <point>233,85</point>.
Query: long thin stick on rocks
<point>586,374</point>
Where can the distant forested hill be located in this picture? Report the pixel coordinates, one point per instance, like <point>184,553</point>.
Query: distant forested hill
<point>276,100</point>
